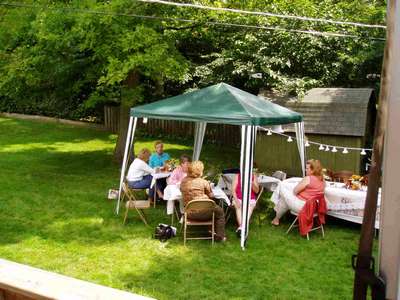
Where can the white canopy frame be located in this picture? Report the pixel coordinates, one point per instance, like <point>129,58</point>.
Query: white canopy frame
<point>248,135</point>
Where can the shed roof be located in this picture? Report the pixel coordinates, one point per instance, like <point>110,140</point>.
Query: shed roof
<point>333,111</point>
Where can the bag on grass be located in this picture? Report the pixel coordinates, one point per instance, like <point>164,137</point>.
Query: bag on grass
<point>164,232</point>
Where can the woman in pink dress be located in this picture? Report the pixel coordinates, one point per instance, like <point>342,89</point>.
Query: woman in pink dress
<point>237,198</point>
<point>312,186</point>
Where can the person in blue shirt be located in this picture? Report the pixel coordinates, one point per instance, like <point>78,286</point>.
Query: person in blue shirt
<point>158,158</point>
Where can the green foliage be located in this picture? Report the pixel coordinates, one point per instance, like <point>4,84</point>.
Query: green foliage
<point>290,62</point>
<point>68,63</point>
<point>53,62</point>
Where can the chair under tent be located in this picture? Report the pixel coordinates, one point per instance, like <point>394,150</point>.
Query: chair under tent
<point>231,106</point>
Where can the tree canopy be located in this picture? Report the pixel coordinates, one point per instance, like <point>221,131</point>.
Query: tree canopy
<point>65,58</point>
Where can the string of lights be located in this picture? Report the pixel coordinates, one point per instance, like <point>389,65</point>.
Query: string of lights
<point>265,14</point>
<point>321,146</point>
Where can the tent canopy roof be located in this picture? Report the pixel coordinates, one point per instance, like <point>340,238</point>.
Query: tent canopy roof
<point>220,103</point>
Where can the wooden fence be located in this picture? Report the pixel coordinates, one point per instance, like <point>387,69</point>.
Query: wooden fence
<point>111,118</point>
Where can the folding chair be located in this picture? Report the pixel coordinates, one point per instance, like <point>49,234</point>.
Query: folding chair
<point>133,202</point>
<point>296,220</point>
<point>225,183</point>
<point>196,205</point>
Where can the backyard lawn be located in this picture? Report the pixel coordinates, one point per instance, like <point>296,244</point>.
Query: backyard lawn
<point>55,216</point>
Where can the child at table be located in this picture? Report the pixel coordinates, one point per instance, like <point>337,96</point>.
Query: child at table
<point>180,172</point>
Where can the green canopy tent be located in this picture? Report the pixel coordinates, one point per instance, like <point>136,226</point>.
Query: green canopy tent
<point>221,104</point>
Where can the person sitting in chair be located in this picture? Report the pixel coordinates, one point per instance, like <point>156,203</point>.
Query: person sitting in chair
<point>158,159</point>
<point>237,198</point>
<point>193,187</point>
<point>180,172</point>
<point>140,173</point>
<point>310,187</point>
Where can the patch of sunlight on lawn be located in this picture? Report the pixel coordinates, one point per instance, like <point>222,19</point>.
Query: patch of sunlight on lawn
<point>75,146</point>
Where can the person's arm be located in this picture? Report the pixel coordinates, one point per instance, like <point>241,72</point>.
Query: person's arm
<point>255,186</point>
<point>152,162</point>
<point>207,189</point>
<point>301,185</point>
<point>145,167</point>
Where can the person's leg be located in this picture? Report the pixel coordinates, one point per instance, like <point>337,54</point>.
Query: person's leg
<point>219,223</point>
<point>280,208</point>
<point>238,210</point>
<point>252,206</point>
<point>144,183</point>
<point>161,185</point>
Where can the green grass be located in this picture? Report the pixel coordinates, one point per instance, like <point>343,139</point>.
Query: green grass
<point>53,185</point>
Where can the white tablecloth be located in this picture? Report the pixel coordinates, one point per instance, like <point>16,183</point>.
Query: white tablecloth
<point>268,182</point>
<point>159,176</point>
<point>340,201</point>
<point>172,193</point>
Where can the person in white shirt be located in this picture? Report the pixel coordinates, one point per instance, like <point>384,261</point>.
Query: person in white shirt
<point>140,173</point>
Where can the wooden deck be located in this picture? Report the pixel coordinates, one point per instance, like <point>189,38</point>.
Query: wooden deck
<point>21,282</point>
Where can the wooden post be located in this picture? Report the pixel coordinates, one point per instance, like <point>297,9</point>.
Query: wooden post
<point>390,207</point>
<point>363,262</point>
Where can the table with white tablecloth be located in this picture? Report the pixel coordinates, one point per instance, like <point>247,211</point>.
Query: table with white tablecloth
<point>159,175</point>
<point>173,193</point>
<point>342,203</point>
<point>268,182</point>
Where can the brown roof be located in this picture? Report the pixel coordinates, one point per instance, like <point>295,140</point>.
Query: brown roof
<point>334,111</point>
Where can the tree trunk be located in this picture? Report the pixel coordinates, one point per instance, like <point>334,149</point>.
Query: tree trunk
<point>123,129</point>
<point>131,82</point>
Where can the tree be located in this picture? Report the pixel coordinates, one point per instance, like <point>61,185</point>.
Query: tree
<point>59,58</point>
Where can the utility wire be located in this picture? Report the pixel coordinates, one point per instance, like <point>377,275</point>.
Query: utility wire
<point>265,14</point>
<point>214,23</point>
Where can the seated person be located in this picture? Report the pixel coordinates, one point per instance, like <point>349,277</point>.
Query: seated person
<point>140,173</point>
<point>237,198</point>
<point>158,159</point>
<point>310,187</point>
<point>193,187</point>
<point>180,172</point>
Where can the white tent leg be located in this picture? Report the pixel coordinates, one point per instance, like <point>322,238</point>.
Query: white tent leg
<point>299,127</point>
<point>129,140</point>
<point>199,131</point>
<point>246,167</point>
